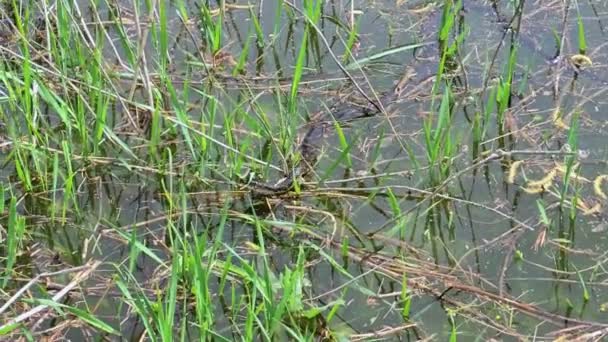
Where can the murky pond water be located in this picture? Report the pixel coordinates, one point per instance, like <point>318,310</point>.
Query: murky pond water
<point>222,201</point>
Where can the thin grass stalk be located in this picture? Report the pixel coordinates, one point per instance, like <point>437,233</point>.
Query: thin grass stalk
<point>15,232</point>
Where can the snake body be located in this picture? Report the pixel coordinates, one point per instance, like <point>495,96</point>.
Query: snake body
<point>309,147</point>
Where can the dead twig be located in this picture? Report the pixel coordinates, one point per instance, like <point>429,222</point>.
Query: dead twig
<point>81,276</point>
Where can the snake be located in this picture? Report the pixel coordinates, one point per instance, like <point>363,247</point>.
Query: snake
<point>309,146</point>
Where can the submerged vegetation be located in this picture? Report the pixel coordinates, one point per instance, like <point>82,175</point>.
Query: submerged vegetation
<point>303,170</point>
